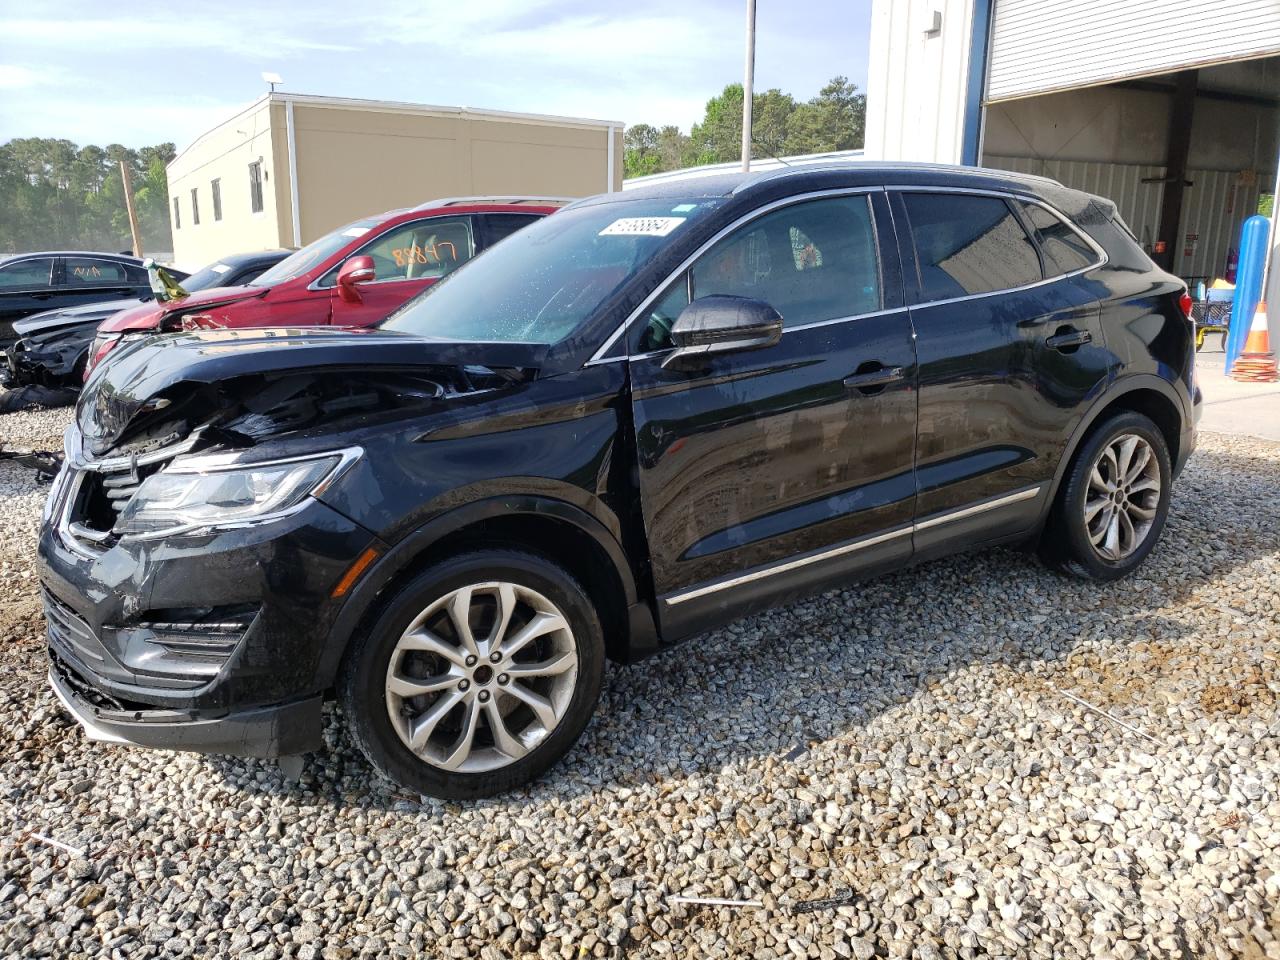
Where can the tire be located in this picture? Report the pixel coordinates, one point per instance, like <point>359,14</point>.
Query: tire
<point>1071,539</point>
<point>467,691</point>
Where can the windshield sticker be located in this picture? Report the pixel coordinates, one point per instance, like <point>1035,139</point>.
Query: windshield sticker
<point>355,231</point>
<point>220,268</point>
<point>684,208</point>
<point>642,227</point>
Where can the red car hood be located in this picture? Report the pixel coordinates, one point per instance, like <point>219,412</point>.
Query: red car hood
<point>147,315</point>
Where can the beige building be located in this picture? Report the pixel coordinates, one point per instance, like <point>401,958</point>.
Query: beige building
<point>290,168</point>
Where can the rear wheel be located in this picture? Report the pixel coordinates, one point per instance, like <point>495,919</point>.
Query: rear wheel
<point>478,676</point>
<point>1112,505</point>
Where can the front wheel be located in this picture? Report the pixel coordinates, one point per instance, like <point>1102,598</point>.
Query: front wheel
<point>1113,502</point>
<point>479,675</point>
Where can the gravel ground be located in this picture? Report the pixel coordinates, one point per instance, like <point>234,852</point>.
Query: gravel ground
<point>915,766</point>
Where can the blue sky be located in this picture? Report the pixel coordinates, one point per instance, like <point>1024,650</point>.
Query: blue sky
<point>91,74</point>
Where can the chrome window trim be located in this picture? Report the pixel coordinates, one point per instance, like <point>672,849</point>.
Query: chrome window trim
<point>598,355</point>
<point>471,227</point>
<point>1103,258</point>
<point>784,566</point>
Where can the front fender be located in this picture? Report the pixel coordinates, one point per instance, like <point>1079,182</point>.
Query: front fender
<point>399,558</point>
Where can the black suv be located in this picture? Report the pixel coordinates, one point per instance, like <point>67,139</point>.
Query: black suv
<point>648,414</point>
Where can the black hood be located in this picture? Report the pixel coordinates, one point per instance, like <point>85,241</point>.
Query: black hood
<point>48,321</point>
<point>163,371</point>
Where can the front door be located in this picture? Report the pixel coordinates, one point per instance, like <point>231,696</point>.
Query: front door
<point>1010,347</point>
<point>26,287</point>
<point>771,472</point>
<point>407,259</point>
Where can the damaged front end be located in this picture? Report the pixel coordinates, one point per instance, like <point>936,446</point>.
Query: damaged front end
<point>188,561</point>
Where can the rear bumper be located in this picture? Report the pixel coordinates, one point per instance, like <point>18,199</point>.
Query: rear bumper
<point>274,731</point>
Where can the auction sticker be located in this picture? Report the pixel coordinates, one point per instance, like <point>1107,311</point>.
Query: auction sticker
<point>642,226</point>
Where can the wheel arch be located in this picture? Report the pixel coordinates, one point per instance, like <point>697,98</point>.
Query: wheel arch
<point>1149,395</point>
<point>555,529</point>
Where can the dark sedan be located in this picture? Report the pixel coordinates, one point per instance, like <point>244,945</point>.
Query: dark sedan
<point>51,347</point>
<point>34,282</point>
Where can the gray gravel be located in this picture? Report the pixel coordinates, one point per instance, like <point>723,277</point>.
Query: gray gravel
<point>915,766</point>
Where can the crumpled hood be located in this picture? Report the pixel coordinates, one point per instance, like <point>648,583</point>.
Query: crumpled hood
<point>148,314</point>
<point>48,321</point>
<point>150,375</point>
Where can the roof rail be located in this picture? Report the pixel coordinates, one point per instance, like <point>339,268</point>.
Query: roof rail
<point>510,201</point>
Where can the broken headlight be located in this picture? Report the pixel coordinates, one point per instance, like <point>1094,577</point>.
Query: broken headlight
<point>198,497</point>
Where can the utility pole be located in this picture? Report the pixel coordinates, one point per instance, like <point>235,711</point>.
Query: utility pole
<point>133,214</point>
<point>748,84</point>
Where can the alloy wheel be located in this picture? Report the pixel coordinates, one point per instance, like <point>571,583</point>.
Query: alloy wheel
<point>1123,497</point>
<point>481,677</point>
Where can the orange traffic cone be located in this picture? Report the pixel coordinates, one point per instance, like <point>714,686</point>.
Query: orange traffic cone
<point>1256,363</point>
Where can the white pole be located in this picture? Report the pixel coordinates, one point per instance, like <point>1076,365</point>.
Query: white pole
<point>609,180</point>
<point>748,86</point>
<point>293,173</point>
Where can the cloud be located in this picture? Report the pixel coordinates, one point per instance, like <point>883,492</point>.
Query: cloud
<point>268,37</point>
<point>15,77</point>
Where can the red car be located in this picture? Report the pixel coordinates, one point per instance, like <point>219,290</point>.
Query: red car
<point>352,277</point>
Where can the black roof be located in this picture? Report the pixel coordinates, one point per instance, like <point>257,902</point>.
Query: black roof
<point>249,259</point>
<point>96,254</point>
<point>764,185</point>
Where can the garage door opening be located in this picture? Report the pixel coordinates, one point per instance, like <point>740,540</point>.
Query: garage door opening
<point>1187,156</point>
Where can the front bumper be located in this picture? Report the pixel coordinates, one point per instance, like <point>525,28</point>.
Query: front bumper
<point>274,731</point>
<point>211,642</point>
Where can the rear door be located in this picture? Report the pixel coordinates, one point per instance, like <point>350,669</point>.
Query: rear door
<point>1010,351</point>
<point>92,280</point>
<point>771,472</point>
<point>407,259</point>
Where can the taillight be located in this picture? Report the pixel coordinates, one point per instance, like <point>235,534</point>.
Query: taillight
<point>1184,303</point>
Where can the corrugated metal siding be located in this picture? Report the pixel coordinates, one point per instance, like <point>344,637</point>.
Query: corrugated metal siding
<point>1038,46</point>
<point>1213,208</point>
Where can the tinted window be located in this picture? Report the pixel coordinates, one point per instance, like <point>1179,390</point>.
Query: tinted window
<point>27,273</point>
<point>501,225</point>
<point>255,187</point>
<point>177,216</point>
<point>215,189</point>
<point>811,261</point>
<point>418,250</point>
<point>968,244</point>
<point>1065,251</point>
<point>195,208</point>
<point>86,272</point>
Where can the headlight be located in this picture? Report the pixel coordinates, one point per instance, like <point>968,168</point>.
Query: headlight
<point>185,498</point>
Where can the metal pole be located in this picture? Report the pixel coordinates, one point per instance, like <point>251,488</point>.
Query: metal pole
<point>133,214</point>
<point>748,83</point>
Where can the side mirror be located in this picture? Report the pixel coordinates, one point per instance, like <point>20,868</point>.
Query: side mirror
<point>355,271</point>
<point>715,325</point>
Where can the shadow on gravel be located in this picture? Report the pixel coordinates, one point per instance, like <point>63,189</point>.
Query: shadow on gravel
<point>781,682</point>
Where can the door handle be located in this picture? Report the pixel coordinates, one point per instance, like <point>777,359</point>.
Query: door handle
<point>873,379</point>
<point>1069,338</point>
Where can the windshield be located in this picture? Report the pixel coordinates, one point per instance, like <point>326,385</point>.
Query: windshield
<point>540,285</point>
<point>313,254</point>
<point>210,276</point>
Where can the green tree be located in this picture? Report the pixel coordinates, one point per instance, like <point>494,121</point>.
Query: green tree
<point>833,120</point>
<point>55,194</point>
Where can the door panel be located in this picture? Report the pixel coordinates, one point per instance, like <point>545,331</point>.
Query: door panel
<point>764,475</point>
<point>1004,376</point>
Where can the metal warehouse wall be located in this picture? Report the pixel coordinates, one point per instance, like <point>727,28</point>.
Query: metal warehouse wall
<point>917,79</point>
<point>1214,208</point>
<point>1043,45</point>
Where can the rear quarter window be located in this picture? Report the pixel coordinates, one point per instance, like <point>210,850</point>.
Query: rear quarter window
<point>968,244</point>
<point>1065,251</point>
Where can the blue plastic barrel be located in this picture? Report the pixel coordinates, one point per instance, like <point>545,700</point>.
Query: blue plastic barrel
<point>1253,258</point>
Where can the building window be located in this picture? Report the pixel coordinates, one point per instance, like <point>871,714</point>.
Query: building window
<point>255,186</point>
<point>177,217</point>
<point>215,188</point>
<point>195,208</point>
